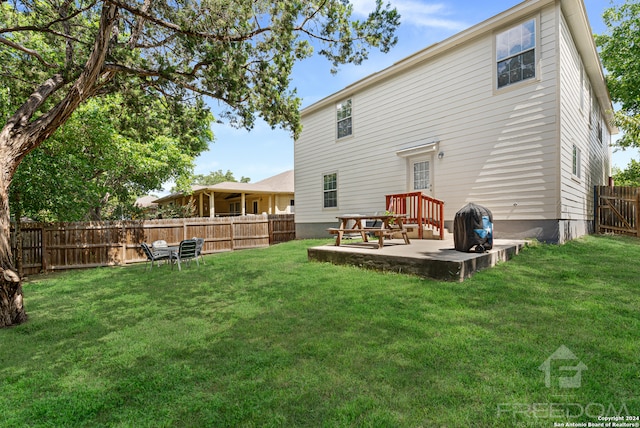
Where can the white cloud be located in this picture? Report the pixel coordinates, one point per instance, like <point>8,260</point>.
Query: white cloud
<point>417,13</point>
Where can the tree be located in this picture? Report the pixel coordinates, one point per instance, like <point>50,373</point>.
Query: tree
<point>60,53</point>
<point>93,167</point>
<point>629,176</point>
<point>620,54</point>
<point>215,177</point>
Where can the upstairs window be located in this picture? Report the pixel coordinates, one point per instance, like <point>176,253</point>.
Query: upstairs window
<point>516,54</point>
<point>344,119</point>
<point>330,190</point>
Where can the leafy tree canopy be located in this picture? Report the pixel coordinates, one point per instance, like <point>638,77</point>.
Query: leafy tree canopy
<point>629,176</point>
<point>93,167</point>
<point>620,54</point>
<point>215,177</point>
<point>238,52</point>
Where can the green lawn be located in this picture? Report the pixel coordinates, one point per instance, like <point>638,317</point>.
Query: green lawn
<point>266,338</point>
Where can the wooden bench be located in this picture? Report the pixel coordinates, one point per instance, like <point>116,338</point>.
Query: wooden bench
<point>380,233</point>
<point>340,232</point>
<point>386,233</point>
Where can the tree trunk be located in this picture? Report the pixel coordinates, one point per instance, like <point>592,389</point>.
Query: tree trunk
<point>17,233</point>
<point>20,135</point>
<point>11,308</point>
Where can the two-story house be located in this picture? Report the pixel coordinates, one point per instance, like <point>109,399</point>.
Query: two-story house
<point>512,114</point>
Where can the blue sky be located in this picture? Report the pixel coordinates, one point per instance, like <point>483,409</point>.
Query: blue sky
<point>264,152</point>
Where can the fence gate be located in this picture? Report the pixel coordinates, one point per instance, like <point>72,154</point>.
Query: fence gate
<point>32,246</point>
<point>617,210</point>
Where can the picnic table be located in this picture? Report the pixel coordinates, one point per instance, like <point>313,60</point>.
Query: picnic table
<point>389,224</point>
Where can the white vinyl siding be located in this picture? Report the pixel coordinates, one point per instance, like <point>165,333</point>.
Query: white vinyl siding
<point>585,158</point>
<point>500,148</point>
<point>509,149</point>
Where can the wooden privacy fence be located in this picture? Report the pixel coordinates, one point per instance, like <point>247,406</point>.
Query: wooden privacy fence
<point>617,210</point>
<point>58,246</point>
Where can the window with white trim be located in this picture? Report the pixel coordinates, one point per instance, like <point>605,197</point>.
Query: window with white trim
<point>330,186</point>
<point>343,117</point>
<point>575,164</point>
<point>516,54</point>
<point>599,130</point>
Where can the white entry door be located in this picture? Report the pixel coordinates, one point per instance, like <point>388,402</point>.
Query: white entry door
<point>421,174</point>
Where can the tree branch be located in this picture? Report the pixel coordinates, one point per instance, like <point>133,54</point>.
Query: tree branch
<point>28,51</point>
<point>34,133</point>
<point>137,30</point>
<point>174,27</point>
<point>46,28</point>
<point>27,110</point>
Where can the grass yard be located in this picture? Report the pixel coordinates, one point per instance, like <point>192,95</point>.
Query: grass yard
<point>266,338</point>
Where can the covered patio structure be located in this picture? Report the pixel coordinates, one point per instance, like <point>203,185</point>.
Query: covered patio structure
<point>273,195</point>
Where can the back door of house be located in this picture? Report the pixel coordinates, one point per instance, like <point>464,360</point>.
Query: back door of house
<point>421,174</point>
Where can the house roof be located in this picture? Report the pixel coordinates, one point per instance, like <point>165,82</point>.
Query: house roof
<point>281,183</point>
<point>576,16</point>
<point>146,202</point>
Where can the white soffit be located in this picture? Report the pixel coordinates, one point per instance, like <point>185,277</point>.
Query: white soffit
<point>418,150</point>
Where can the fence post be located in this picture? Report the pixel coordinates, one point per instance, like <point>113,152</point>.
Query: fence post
<point>184,229</point>
<point>637,213</point>
<point>270,226</point>
<point>43,248</point>
<point>232,227</point>
<point>123,243</point>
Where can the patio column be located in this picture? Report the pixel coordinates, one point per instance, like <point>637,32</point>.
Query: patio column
<point>200,205</point>
<point>212,205</point>
<point>242,203</point>
<point>270,204</point>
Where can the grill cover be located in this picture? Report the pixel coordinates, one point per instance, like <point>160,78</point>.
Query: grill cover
<point>473,227</point>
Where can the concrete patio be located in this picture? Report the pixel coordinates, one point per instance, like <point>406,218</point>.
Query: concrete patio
<point>425,258</point>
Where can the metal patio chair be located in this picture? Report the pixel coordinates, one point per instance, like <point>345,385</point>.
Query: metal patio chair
<point>199,246</point>
<point>154,256</point>
<point>186,252</point>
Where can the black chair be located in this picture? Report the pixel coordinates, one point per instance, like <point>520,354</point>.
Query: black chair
<point>186,252</point>
<point>154,256</point>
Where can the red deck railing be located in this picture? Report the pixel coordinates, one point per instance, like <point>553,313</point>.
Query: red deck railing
<point>420,209</point>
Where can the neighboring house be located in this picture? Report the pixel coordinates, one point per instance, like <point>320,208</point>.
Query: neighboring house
<point>512,114</point>
<point>273,195</point>
<point>147,204</point>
